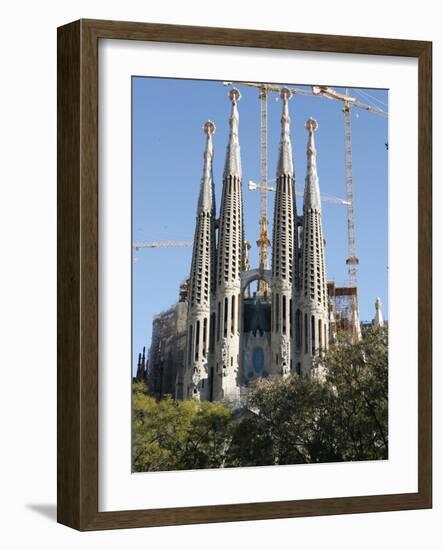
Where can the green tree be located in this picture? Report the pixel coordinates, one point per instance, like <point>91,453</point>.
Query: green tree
<point>178,435</point>
<point>284,424</point>
<point>339,415</point>
<point>357,375</point>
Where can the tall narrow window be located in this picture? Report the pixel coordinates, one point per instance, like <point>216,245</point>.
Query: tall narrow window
<point>211,384</point>
<point>225,319</point>
<point>205,335</point>
<point>197,339</point>
<point>313,334</point>
<point>272,311</point>
<point>320,335</point>
<point>290,318</point>
<point>212,332</point>
<point>306,332</point>
<point>218,321</point>
<point>277,311</point>
<point>232,315</point>
<point>284,313</point>
<point>190,345</point>
<point>298,330</point>
<point>326,337</point>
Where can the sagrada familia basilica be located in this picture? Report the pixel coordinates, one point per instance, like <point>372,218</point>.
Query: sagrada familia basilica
<point>221,335</point>
<point>232,337</point>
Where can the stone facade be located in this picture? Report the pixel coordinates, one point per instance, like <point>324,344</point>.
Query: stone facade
<point>165,369</point>
<point>223,336</point>
<point>312,316</point>
<point>201,281</point>
<point>284,251</point>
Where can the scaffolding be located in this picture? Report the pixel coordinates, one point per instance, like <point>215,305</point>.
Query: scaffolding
<point>343,311</point>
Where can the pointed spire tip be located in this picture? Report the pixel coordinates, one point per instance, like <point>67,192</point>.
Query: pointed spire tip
<point>234,95</point>
<point>311,124</point>
<point>209,128</point>
<point>285,94</point>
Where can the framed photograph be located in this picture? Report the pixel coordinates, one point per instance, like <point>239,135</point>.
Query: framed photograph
<point>244,275</point>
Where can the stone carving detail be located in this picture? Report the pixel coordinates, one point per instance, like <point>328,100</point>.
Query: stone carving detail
<point>284,350</point>
<point>224,352</point>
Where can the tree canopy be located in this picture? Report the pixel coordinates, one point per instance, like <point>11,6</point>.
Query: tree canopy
<point>177,435</point>
<point>338,414</point>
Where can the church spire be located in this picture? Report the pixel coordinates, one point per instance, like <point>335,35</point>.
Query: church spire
<point>312,190</point>
<point>232,162</point>
<point>206,198</point>
<point>285,164</point>
<point>201,279</point>
<point>229,268</point>
<point>283,250</point>
<point>313,291</point>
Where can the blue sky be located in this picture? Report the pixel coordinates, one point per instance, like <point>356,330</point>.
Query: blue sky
<point>168,143</point>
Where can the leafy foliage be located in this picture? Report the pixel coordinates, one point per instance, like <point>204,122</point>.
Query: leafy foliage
<point>178,435</point>
<point>341,414</point>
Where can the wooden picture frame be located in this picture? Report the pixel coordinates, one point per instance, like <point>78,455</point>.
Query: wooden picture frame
<point>77,480</point>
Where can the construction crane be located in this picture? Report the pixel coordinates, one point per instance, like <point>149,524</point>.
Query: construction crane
<point>352,259</point>
<point>271,87</point>
<point>324,91</point>
<point>330,93</point>
<point>316,91</point>
<point>263,241</point>
<point>324,198</point>
<point>161,244</point>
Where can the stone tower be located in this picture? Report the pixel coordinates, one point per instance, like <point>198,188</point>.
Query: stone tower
<point>201,281</point>
<point>228,269</point>
<point>378,319</point>
<point>283,250</point>
<point>313,290</point>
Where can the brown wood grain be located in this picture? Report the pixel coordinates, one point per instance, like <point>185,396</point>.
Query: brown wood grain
<point>77,226</point>
<point>68,275</point>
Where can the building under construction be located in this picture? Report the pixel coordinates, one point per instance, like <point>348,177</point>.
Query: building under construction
<point>343,311</point>
<point>233,324</point>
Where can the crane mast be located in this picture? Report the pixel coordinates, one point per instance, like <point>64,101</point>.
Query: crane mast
<point>263,241</point>
<point>352,259</point>
<point>161,244</point>
<point>325,198</point>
